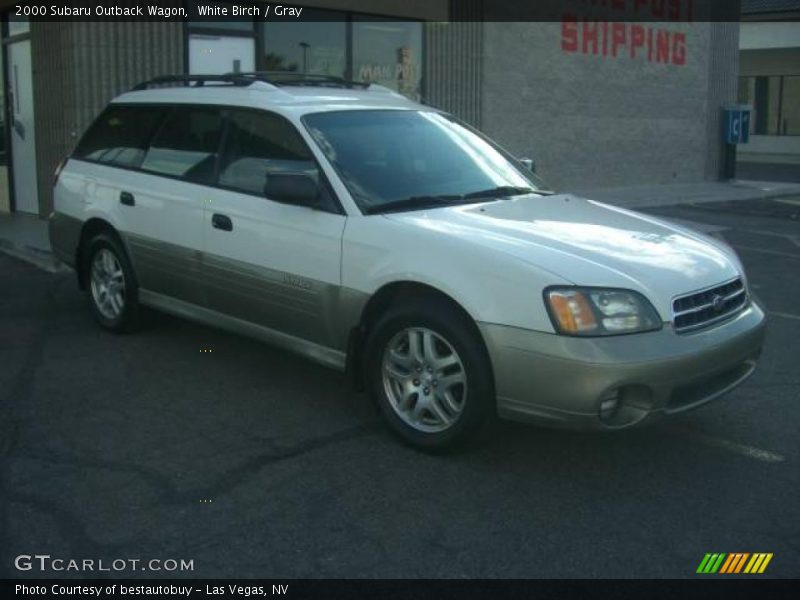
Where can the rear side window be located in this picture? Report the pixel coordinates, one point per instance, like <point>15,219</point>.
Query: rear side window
<point>119,136</point>
<point>186,146</point>
<point>260,143</point>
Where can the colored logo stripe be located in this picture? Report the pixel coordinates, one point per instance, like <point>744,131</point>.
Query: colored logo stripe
<point>734,562</point>
<point>711,563</point>
<point>758,563</point>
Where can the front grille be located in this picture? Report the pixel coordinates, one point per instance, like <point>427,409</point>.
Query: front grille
<point>701,309</point>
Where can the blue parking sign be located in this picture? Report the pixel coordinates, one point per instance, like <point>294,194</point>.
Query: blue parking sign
<point>737,126</point>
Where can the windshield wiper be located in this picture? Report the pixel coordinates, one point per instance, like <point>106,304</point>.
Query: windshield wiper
<point>503,191</point>
<point>412,203</point>
<point>415,202</point>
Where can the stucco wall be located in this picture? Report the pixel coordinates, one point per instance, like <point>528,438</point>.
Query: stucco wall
<point>594,120</point>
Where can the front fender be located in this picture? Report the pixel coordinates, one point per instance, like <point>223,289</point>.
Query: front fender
<point>491,286</point>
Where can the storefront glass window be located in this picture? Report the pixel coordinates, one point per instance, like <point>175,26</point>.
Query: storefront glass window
<point>790,106</point>
<point>776,103</point>
<point>317,45</point>
<point>388,53</point>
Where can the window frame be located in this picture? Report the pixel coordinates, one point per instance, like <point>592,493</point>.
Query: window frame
<point>332,207</point>
<point>781,77</point>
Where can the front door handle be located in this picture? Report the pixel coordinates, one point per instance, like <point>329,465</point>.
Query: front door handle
<point>127,199</point>
<point>222,222</point>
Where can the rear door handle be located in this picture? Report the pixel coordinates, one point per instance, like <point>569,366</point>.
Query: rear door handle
<point>222,222</point>
<point>127,199</point>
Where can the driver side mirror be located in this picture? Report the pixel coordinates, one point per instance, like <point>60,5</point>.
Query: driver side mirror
<point>292,188</point>
<point>528,164</point>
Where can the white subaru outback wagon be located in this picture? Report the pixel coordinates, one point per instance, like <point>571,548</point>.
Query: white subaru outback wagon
<point>389,240</point>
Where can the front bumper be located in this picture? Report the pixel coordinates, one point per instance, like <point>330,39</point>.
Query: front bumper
<point>562,381</point>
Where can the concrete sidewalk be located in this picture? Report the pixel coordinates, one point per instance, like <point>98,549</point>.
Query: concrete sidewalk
<point>648,196</point>
<point>25,236</point>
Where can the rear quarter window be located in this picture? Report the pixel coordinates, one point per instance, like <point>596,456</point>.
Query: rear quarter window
<point>120,135</point>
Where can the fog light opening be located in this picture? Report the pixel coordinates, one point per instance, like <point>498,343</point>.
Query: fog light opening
<point>624,406</point>
<point>609,404</point>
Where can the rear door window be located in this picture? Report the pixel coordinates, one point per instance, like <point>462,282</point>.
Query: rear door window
<point>187,144</point>
<point>119,136</point>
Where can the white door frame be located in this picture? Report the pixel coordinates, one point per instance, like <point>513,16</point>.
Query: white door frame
<point>21,124</point>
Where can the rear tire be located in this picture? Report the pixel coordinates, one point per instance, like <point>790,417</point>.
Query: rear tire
<point>428,370</point>
<point>111,284</point>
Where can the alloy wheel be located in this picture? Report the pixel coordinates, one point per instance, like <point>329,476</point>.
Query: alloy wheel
<point>107,284</point>
<point>424,379</point>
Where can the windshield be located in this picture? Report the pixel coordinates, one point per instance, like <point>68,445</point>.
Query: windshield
<point>401,160</point>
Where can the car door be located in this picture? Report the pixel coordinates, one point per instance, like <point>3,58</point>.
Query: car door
<point>275,264</point>
<point>151,198</point>
<point>164,203</point>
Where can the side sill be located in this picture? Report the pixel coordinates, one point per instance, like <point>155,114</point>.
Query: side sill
<point>321,354</point>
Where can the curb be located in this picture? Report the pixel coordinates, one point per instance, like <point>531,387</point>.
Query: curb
<point>42,259</point>
<point>774,194</point>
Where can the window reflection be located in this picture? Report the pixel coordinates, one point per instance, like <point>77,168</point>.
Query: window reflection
<point>388,53</point>
<point>311,46</point>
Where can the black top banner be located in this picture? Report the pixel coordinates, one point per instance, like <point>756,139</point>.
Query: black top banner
<point>456,10</point>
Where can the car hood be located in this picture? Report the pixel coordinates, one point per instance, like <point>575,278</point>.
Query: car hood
<point>589,243</point>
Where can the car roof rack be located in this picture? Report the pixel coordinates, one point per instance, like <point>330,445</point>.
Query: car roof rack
<point>192,80</point>
<point>304,79</point>
<point>276,78</point>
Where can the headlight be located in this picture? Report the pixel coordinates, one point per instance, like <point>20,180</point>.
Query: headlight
<point>598,311</point>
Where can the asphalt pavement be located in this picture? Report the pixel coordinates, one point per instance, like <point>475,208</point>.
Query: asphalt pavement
<point>183,442</point>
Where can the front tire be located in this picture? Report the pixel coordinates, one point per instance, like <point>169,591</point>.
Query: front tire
<point>429,372</point>
<point>110,283</point>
